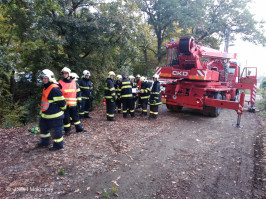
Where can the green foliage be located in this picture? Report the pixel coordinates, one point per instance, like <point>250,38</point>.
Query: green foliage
<point>115,191</point>
<point>62,172</point>
<point>100,36</point>
<point>263,84</point>
<point>106,193</point>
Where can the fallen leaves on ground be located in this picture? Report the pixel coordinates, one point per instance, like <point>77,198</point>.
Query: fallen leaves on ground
<point>26,167</point>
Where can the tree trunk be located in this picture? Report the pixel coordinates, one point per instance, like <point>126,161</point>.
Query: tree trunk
<point>146,61</point>
<point>159,53</point>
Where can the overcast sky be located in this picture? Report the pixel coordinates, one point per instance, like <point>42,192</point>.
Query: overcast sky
<point>248,53</point>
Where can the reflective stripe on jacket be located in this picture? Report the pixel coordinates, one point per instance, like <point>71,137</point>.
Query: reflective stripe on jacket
<point>145,88</point>
<point>155,98</point>
<point>52,103</point>
<point>126,88</point>
<point>45,92</point>
<point>69,91</point>
<point>109,89</point>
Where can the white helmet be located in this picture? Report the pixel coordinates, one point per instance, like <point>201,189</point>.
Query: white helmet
<point>86,73</point>
<point>138,76</point>
<point>74,75</point>
<point>155,76</point>
<point>119,76</point>
<point>111,73</point>
<point>66,69</point>
<point>142,79</point>
<point>46,73</point>
<point>131,77</point>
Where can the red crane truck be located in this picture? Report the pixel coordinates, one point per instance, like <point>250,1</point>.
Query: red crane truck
<point>205,79</point>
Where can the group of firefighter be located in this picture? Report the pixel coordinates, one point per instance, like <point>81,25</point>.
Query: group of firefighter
<point>68,101</point>
<point>127,94</point>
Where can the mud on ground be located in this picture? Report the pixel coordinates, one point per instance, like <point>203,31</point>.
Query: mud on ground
<point>179,155</point>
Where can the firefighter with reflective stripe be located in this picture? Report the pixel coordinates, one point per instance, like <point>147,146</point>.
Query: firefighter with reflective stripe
<point>144,95</point>
<point>52,105</point>
<point>126,96</point>
<point>118,93</point>
<point>86,88</point>
<point>134,88</point>
<point>155,98</point>
<point>110,96</point>
<point>138,101</point>
<point>71,92</point>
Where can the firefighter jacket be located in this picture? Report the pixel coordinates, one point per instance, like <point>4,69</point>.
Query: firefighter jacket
<point>117,89</point>
<point>53,103</point>
<point>155,98</point>
<point>126,89</point>
<point>70,90</point>
<point>86,88</point>
<point>135,85</point>
<point>145,88</point>
<point>109,89</point>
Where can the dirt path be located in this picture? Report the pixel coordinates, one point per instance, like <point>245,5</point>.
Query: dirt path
<point>180,155</point>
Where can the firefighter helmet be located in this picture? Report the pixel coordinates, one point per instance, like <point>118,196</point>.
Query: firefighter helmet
<point>66,69</point>
<point>46,73</point>
<point>142,79</point>
<point>111,73</point>
<point>86,73</point>
<point>155,76</point>
<point>119,76</point>
<point>131,77</point>
<point>138,76</point>
<point>74,75</point>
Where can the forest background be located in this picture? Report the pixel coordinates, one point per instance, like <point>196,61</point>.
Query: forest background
<point>119,35</point>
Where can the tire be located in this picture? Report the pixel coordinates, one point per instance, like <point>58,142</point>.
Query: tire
<point>174,108</point>
<point>213,111</point>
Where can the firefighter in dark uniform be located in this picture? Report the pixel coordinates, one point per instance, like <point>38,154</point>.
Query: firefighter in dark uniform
<point>53,105</point>
<point>71,92</point>
<point>138,101</point>
<point>86,88</point>
<point>110,96</point>
<point>144,95</point>
<point>155,99</point>
<point>134,88</point>
<point>127,96</point>
<point>118,93</point>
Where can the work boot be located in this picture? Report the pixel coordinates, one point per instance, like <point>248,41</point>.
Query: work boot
<point>87,116</point>
<point>112,119</point>
<point>81,130</point>
<point>67,132</point>
<point>41,144</point>
<point>55,148</point>
<point>125,115</point>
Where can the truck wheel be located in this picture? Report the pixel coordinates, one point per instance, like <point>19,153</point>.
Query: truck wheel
<point>213,111</point>
<point>174,108</point>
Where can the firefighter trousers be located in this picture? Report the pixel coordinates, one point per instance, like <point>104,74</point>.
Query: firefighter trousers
<point>144,106</point>
<point>85,107</point>
<point>128,105</point>
<point>154,111</point>
<point>72,111</point>
<point>118,105</point>
<point>110,109</point>
<point>51,128</point>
